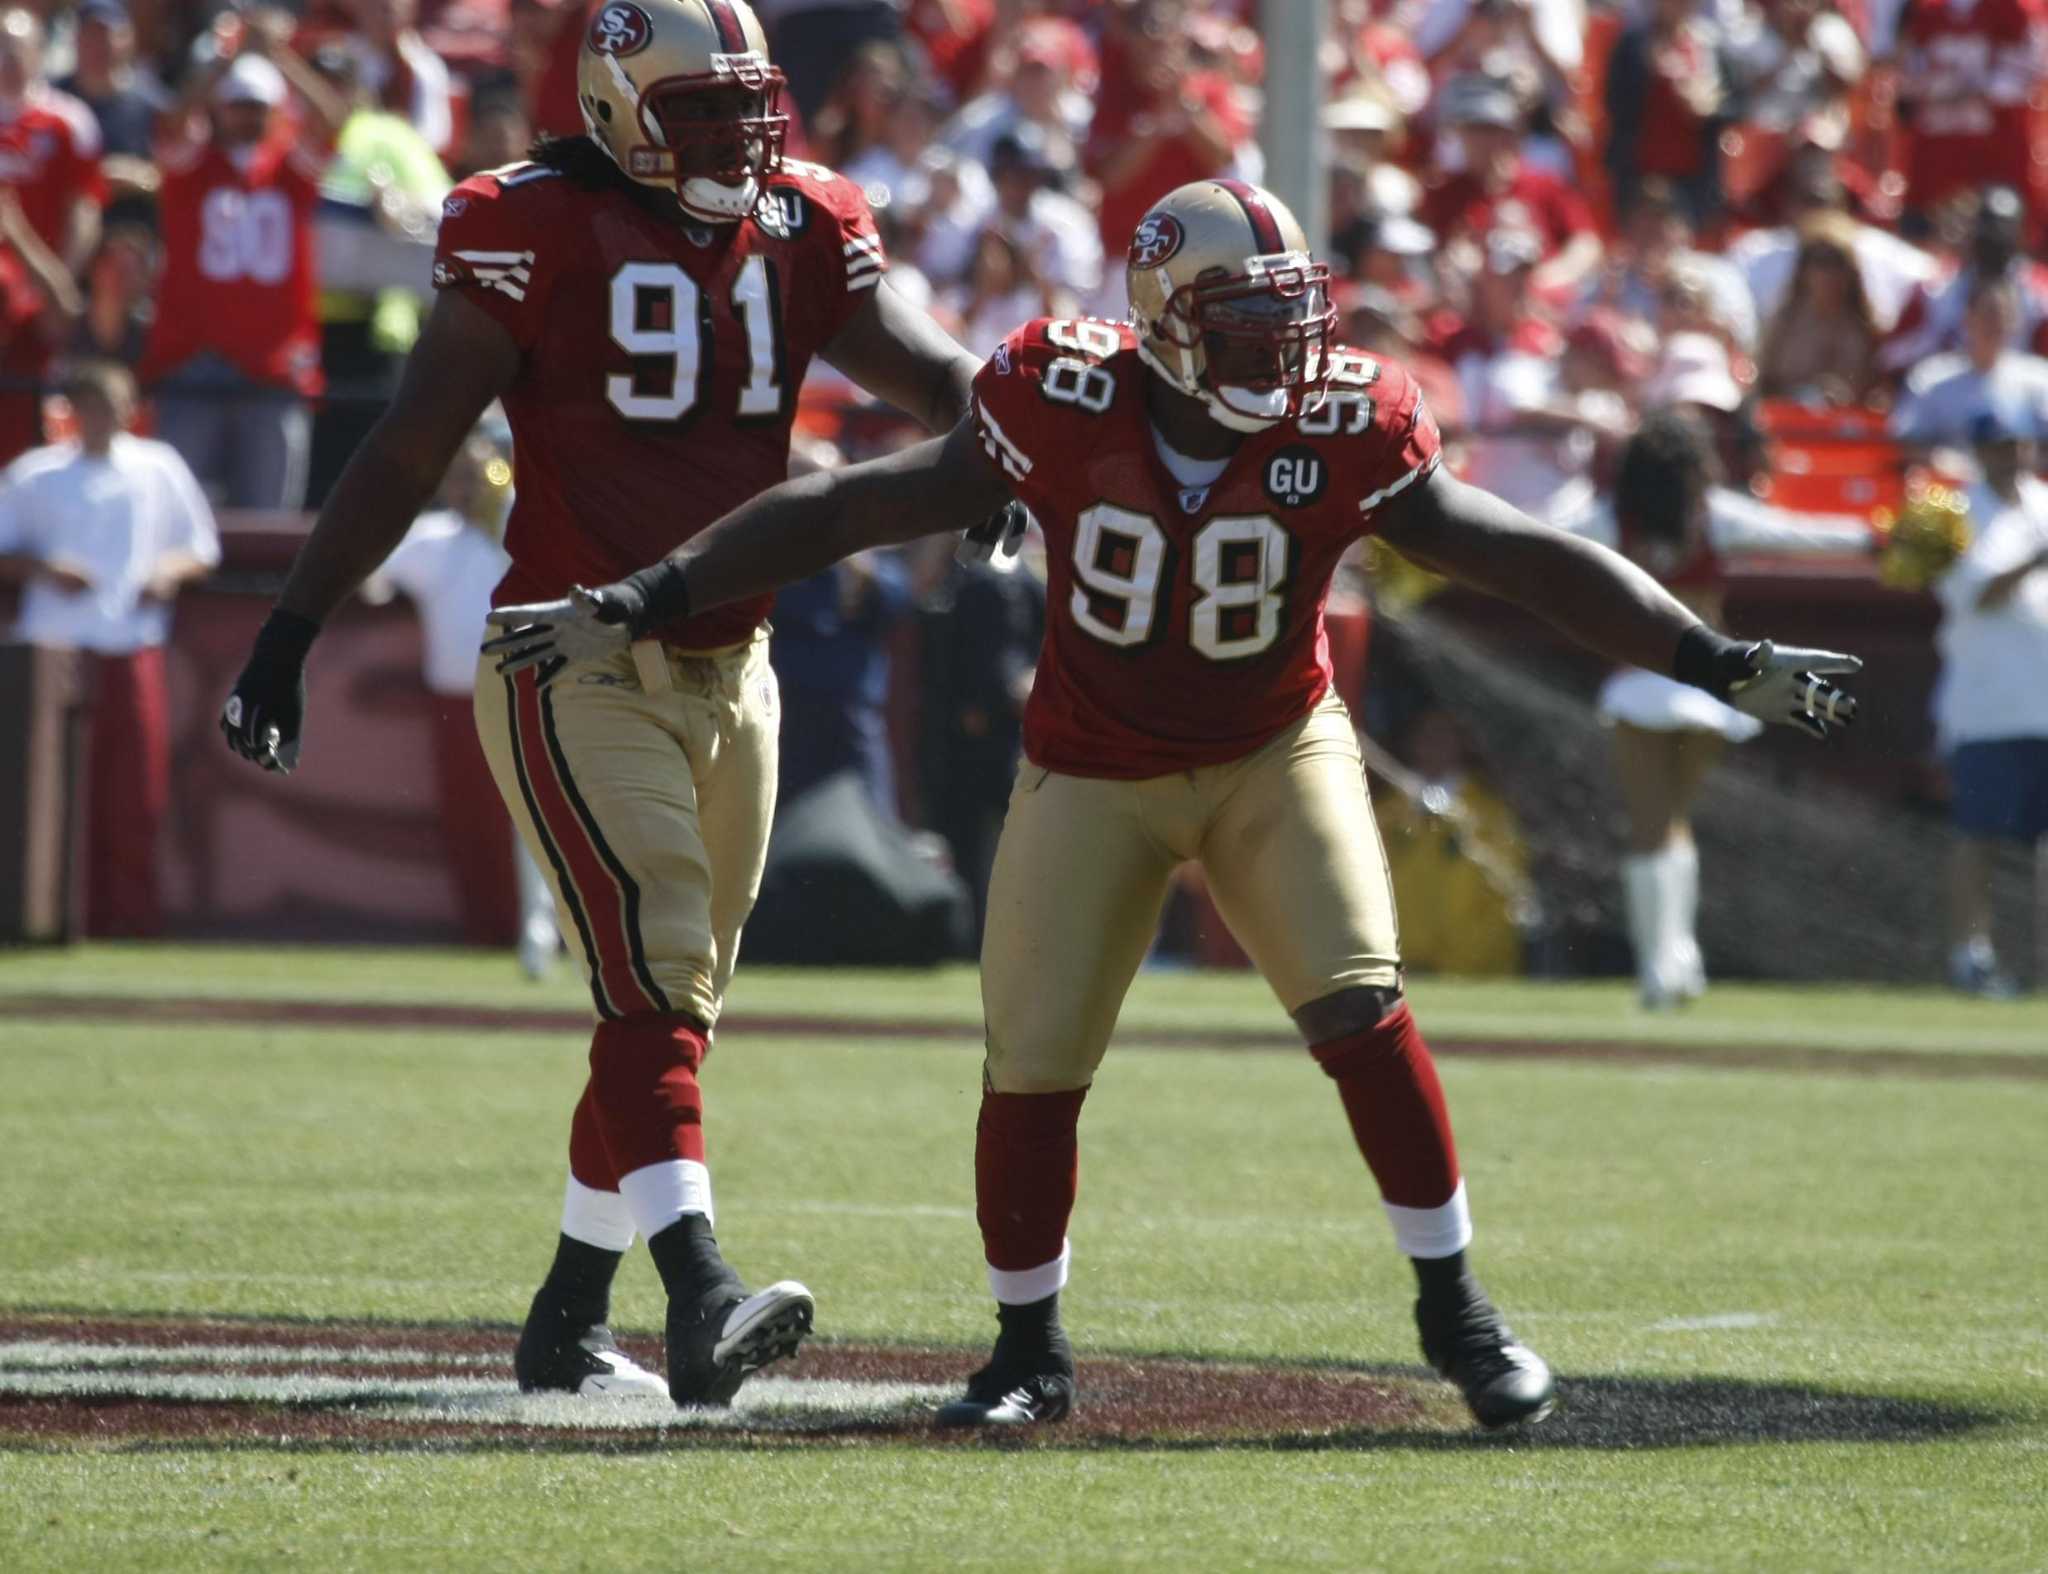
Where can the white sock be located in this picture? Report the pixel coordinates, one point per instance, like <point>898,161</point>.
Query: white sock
<point>659,1194</point>
<point>597,1218</point>
<point>1432,1232</point>
<point>1682,898</point>
<point>1022,1286</point>
<point>1643,896</point>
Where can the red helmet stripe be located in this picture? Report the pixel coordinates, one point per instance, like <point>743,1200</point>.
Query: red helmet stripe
<point>731,36</point>
<point>1265,228</point>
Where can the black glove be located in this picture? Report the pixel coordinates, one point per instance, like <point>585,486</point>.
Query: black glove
<point>267,706</point>
<point>996,537</point>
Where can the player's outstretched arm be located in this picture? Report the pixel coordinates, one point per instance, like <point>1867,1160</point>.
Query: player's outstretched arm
<point>463,360</point>
<point>899,354</point>
<point>1599,598</point>
<point>787,533</point>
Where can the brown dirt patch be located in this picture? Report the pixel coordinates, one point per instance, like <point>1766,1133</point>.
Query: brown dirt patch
<point>428,1016</point>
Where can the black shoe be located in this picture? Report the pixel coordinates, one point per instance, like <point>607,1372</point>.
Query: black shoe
<point>1019,1386</point>
<point>1464,1338</point>
<point>558,1354</point>
<point>716,1342</point>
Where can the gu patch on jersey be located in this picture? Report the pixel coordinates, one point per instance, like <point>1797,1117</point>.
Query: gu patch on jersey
<point>1295,476</point>
<point>781,213</point>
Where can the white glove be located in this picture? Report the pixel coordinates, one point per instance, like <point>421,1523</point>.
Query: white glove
<point>1788,684</point>
<point>585,626</point>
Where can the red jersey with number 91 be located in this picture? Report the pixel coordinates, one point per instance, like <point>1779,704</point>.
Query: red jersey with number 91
<point>1184,626</point>
<point>661,360</point>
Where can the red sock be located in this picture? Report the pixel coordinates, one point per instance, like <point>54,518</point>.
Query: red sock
<point>589,1160</point>
<point>643,1086</point>
<point>1027,1171</point>
<point>1396,1105</point>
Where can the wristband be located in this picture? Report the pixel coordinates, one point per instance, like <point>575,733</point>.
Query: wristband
<point>1709,661</point>
<point>661,594</point>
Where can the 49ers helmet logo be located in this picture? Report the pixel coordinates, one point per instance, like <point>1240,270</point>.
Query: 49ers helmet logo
<point>621,28</point>
<point>1158,238</point>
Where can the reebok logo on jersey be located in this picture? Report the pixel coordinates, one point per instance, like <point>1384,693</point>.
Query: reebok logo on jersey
<point>1294,477</point>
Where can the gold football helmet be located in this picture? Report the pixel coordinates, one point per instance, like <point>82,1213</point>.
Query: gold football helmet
<point>682,96</point>
<point>1228,305</point>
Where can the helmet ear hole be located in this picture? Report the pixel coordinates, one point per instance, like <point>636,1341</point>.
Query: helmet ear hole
<point>604,110</point>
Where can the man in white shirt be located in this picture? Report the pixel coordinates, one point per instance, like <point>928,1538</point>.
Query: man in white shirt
<point>448,565</point>
<point>1991,707</point>
<point>101,532</point>
<point>1947,395</point>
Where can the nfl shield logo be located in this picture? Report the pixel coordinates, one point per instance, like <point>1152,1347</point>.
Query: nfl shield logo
<point>1192,498</point>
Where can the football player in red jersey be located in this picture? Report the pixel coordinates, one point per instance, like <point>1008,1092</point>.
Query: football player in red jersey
<point>1197,474</point>
<point>644,301</point>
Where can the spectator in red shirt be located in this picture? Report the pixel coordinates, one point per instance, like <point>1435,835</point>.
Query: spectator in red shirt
<point>1496,189</point>
<point>49,146</point>
<point>1665,101</point>
<point>234,353</point>
<point>37,304</point>
<point>1966,71</point>
<point>1159,124</point>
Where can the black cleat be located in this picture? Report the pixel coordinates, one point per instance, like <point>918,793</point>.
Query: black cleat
<point>714,1344</point>
<point>1504,1383</point>
<point>557,1354</point>
<point>1018,1387</point>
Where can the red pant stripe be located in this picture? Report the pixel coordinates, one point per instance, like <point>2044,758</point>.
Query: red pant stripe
<point>595,898</point>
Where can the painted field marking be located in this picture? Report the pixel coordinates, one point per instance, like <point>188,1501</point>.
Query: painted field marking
<point>60,1369</point>
<point>1714,1321</point>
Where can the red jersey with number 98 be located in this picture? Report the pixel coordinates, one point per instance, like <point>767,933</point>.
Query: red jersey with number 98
<point>661,360</point>
<point>1184,625</point>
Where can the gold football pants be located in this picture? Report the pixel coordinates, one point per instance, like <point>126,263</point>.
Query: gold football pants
<point>647,807</point>
<point>1285,837</point>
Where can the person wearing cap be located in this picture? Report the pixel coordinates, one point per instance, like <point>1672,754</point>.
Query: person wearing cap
<point>1042,73</point>
<point>1931,322</point>
<point>1363,128</point>
<point>49,146</point>
<point>1946,394</point>
<point>234,354</point>
<point>103,531</point>
<point>1054,232</point>
<point>1531,438</point>
<point>1990,705</point>
<point>1497,189</point>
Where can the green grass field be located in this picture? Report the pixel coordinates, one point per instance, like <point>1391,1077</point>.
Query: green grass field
<point>1798,1317</point>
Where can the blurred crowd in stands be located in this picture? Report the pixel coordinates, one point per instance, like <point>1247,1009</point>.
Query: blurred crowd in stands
<point>1558,209</point>
<point>1813,225</point>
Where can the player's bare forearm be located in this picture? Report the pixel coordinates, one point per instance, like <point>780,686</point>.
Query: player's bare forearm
<point>899,354</point>
<point>382,491</point>
<point>807,524</point>
<point>1593,594</point>
<point>463,360</point>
